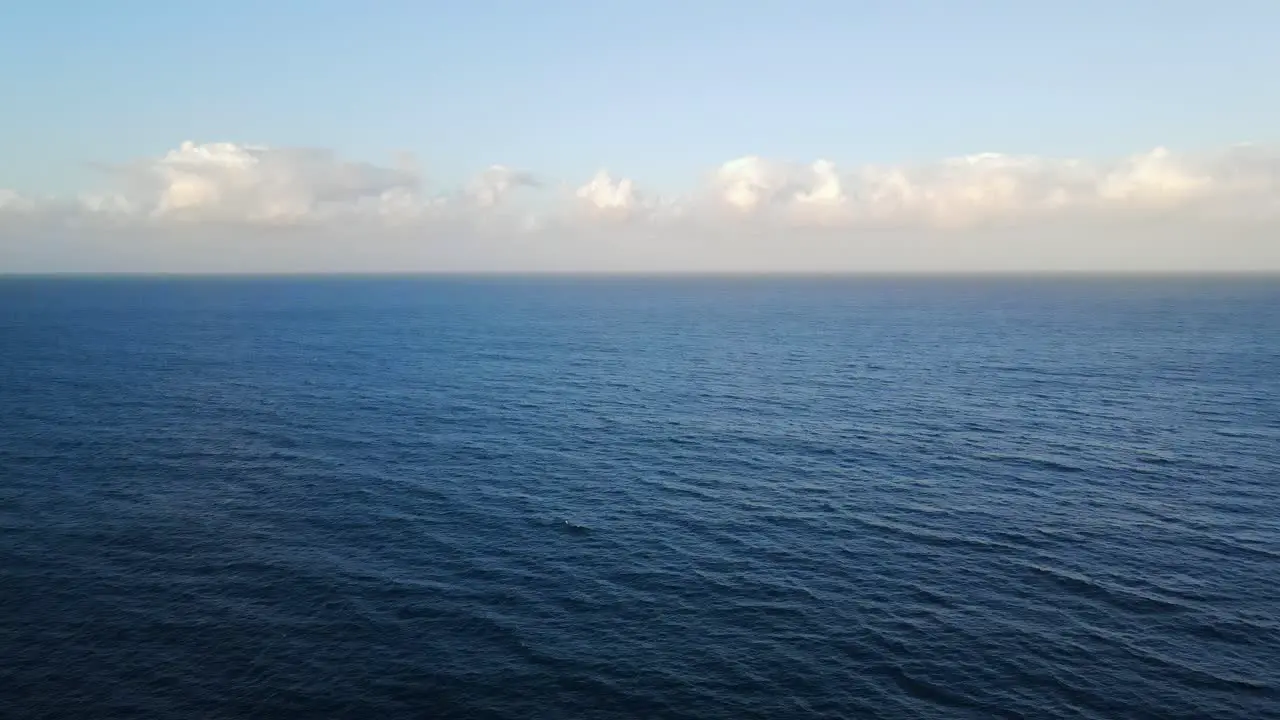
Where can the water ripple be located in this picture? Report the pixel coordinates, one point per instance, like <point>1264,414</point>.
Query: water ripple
<point>689,498</point>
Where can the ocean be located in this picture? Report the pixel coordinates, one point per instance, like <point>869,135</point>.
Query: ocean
<point>640,497</point>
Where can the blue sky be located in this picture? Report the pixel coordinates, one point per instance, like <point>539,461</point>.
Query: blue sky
<point>755,135</point>
<point>659,90</point>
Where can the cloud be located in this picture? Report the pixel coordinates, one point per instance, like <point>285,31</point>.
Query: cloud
<point>603,193</point>
<point>11,201</point>
<point>259,185</point>
<point>981,210</point>
<point>246,183</point>
<point>992,187</point>
<point>496,183</point>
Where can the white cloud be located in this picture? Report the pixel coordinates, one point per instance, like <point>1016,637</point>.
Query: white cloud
<point>752,213</point>
<point>826,188</point>
<point>604,193</point>
<point>749,183</point>
<point>246,183</point>
<point>496,183</point>
<point>11,201</point>
<point>992,187</point>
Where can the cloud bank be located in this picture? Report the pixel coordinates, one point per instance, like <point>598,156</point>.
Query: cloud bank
<point>232,207</point>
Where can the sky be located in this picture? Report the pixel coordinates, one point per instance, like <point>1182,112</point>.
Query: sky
<point>696,135</point>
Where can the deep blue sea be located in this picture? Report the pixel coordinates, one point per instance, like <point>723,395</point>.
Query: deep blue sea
<point>686,497</point>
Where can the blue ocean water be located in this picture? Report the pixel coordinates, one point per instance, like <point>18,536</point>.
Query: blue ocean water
<point>640,498</point>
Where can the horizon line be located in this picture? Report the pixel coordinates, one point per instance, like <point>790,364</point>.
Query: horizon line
<point>337,274</point>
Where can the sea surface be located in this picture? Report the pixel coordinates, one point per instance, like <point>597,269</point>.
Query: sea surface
<point>687,497</point>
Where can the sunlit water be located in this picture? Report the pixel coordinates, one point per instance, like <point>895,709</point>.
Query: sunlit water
<point>634,498</point>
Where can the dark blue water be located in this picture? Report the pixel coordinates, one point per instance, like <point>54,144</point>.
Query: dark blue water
<point>640,498</point>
